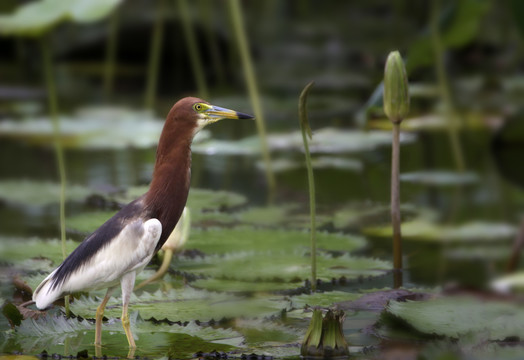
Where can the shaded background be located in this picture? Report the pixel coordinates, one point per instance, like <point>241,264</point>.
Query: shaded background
<point>342,46</point>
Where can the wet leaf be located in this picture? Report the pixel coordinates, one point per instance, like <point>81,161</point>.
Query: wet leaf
<point>38,193</point>
<point>37,17</point>
<point>235,286</point>
<point>93,128</point>
<point>186,305</point>
<point>321,162</point>
<point>282,266</point>
<point>221,241</point>
<point>422,230</point>
<point>153,339</point>
<point>443,178</point>
<point>457,316</point>
<point>12,314</point>
<point>21,249</point>
<point>325,299</point>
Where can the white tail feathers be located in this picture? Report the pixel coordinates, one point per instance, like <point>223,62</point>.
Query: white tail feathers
<point>44,295</point>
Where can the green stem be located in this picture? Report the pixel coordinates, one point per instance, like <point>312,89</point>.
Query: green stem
<point>194,54</point>
<point>110,63</point>
<point>59,151</point>
<point>154,56</point>
<point>249,73</point>
<point>395,207</point>
<point>304,126</point>
<point>444,88</point>
<point>168,256</point>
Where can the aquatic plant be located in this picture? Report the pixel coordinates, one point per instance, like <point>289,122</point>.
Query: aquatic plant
<point>396,107</point>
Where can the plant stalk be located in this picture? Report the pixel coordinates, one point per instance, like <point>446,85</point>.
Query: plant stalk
<point>59,151</point>
<point>249,73</point>
<point>395,207</point>
<point>110,62</point>
<point>444,89</point>
<point>306,130</point>
<point>155,52</point>
<point>194,54</point>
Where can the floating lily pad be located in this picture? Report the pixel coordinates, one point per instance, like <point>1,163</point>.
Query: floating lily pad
<point>18,249</point>
<point>444,178</point>
<point>37,17</point>
<point>93,128</point>
<point>236,286</point>
<point>88,222</point>
<point>50,332</point>
<point>456,317</point>
<point>361,215</point>
<point>221,241</point>
<point>324,299</point>
<point>281,267</point>
<point>513,283</point>
<point>185,305</point>
<point>325,141</point>
<point>39,193</point>
<point>422,230</point>
<point>321,162</point>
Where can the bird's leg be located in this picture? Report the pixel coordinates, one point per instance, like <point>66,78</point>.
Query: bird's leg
<point>127,282</point>
<point>100,315</point>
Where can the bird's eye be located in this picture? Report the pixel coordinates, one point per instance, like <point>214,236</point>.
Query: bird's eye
<point>198,107</point>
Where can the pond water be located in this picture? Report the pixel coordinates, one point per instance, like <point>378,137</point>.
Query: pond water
<point>353,201</point>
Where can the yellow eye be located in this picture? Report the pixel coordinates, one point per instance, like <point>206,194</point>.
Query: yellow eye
<point>198,107</point>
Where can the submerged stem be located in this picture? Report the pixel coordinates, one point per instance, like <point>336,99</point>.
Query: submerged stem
<point>306,131</point>
<point>249,73</point>
<point>59,151</point>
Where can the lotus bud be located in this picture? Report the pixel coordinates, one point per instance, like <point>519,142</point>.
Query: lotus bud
<point>396,89</point>
<point>325,337</point>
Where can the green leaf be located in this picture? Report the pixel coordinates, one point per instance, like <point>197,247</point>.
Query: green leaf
<point>221,241</point>
<point>186,305</point>
<point>37,17</point>
<point>423,230</point>
<point>324,299</point>
<point>442,178</point>
<point>12,314</point>
<point>38,193</point>
<point>281,267</point>
<point>457,316</point>
<point>154,340</point>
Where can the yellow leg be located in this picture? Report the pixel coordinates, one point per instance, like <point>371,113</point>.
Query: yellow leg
<point>127,282</point>
<point>99,316</point>
<point>127,327</point>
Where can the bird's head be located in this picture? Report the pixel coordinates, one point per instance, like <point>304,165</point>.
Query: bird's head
<point>200,113</point>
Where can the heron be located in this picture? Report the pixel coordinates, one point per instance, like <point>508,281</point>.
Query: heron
<point>121,247</point>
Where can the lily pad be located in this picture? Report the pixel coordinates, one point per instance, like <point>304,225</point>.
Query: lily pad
<point>51,332</point>
<point>282,267</point>
<point>455,317</point>
<point>443,178</point>
<point>325,141</point>
<point>37,17</point>
<point>93,128</point>
<point>39,193</point>
<point>21,249</point>
<point>325,299</point>
<point>221,241</point>
<point>244,287</point>
<point>185,305</point>
<point>321,162</point>
<point>422,230</point>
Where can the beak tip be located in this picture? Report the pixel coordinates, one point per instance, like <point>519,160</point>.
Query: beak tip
<point>244,116</point>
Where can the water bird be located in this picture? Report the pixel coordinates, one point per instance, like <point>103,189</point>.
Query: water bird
<point>124,244</point>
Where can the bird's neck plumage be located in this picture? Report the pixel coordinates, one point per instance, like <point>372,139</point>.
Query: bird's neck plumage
<point>169,187</point>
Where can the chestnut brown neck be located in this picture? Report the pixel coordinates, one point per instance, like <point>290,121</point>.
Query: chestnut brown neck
<point>169,187</point>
